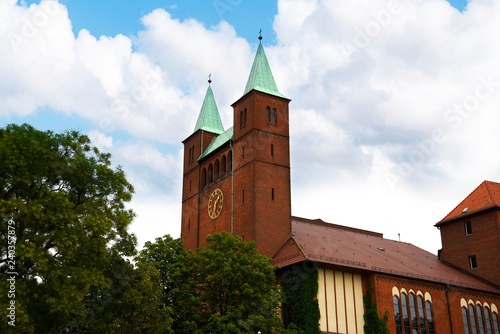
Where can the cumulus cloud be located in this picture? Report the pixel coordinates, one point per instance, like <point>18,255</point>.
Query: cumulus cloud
<point>394,104</point>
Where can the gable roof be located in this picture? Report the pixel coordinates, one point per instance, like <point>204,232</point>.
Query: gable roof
<point>337,245</point>
<point>261,78</point>
<point>209,118</point>
<point>217,142</point>
<point>484,197</point>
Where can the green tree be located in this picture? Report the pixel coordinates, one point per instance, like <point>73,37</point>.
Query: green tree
<point>64,207</point>
<point>132,303</point>
<point>227,287</point>
<point>167,255</point>
<point>373,323</point>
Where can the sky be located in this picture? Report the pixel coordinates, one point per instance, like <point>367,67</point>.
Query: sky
<point>394,113</point>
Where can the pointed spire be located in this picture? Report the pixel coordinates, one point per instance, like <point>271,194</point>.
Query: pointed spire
<point>261,77</point>
<point>209,118</point>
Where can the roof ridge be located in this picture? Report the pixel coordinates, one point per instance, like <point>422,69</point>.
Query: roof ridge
<point>487,183</point>
<point>469,198</point>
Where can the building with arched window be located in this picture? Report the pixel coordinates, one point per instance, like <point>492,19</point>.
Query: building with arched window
<point>238,180</point>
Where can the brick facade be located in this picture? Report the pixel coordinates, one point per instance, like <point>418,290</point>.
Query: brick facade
<point>483,242</point>
<point>257,203</point>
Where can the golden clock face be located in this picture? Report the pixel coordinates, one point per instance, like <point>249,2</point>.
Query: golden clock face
<point>215,203</point>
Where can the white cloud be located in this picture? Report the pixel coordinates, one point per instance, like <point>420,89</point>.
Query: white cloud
<point>374,85</point>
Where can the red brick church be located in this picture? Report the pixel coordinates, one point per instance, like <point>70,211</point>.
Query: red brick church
<point>238,180</point>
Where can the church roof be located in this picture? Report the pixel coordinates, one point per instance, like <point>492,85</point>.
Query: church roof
<point>261,77</point>
<point>218,142</point>
<point>318,241</point>
<point>209,118</point>
<point>485,196</point>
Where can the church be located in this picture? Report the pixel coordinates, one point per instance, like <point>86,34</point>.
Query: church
<point>238,180</point>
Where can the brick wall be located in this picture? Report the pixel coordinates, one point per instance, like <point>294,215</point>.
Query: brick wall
<point>483,242</point>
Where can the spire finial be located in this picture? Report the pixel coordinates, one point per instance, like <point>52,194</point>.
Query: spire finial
<point>209,78</point>
<point>260,35</point>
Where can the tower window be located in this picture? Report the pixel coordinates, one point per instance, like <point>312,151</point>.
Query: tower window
<point>241,118</point>
<point>230,162</point>
<point>272,194</point>
<point>216,170</point>
<point>223,166</point>
<point>243,151</point>
<point>190,155</point>
<point>268,114</point>
<point>468,228</point>
<point>473,262</point>
<point>275,115</point>
<point>245,116</point>
<point>243,196</point>
<point>210,173</point>
<point>189,225</point>
<point>272,150</point>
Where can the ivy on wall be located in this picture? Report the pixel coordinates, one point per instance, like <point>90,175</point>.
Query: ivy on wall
<point>300,309</point>
<point>373,323</point>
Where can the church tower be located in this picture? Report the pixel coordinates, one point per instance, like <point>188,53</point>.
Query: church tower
<point>238,180</point>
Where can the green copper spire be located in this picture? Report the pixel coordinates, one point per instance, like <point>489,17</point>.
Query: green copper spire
<point>261,78</point>
<point>209,118</point>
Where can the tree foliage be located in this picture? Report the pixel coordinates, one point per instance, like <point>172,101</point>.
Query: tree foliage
<point>131,303</point>
<point>373,323</point>
<point>227,287</point>
<point>167,255</point>
<point>67,207</point>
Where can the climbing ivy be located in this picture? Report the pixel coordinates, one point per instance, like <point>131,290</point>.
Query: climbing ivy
<point>300,286</point>
<point>373,323</point>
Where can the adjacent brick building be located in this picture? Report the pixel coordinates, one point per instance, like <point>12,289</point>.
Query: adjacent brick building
<point>238,180</point>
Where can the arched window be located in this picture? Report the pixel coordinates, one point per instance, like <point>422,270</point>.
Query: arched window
<point>268,114</point>
<point>210,173</point>
<point>223,166</point>
<point>487,320</point>
<point>413,313</point>
<point>430,317</point>
<point>421,315</point>
<point>204,178</point>
<point>495,323</point>
<point>192,151</point>
<point>216,170</point>
<point>230,162</point>
<point>465,318</point>
<point>245,116</point>
<point>404,309</point>
<point>275,115</point>
<point>480,320</point>
<point>243,151</point>
<point>272,150</point>
<point>397,315</point>
<point>472,317</point>
<point>410,315</point>
<point>241,118</point>
<point>190,155</point>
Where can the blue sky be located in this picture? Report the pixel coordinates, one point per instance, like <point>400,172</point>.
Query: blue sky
<point>393,103</point>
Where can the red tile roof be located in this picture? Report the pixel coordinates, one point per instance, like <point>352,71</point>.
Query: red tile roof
<point>486,196</point>
<point>359,249</point>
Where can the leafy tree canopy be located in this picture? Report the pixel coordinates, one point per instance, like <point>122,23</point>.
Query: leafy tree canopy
<point>227,287</point>
<point>66,206</point>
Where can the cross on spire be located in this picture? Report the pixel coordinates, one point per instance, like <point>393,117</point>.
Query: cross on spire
<point>260,34</point>
<point>209,78</point>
